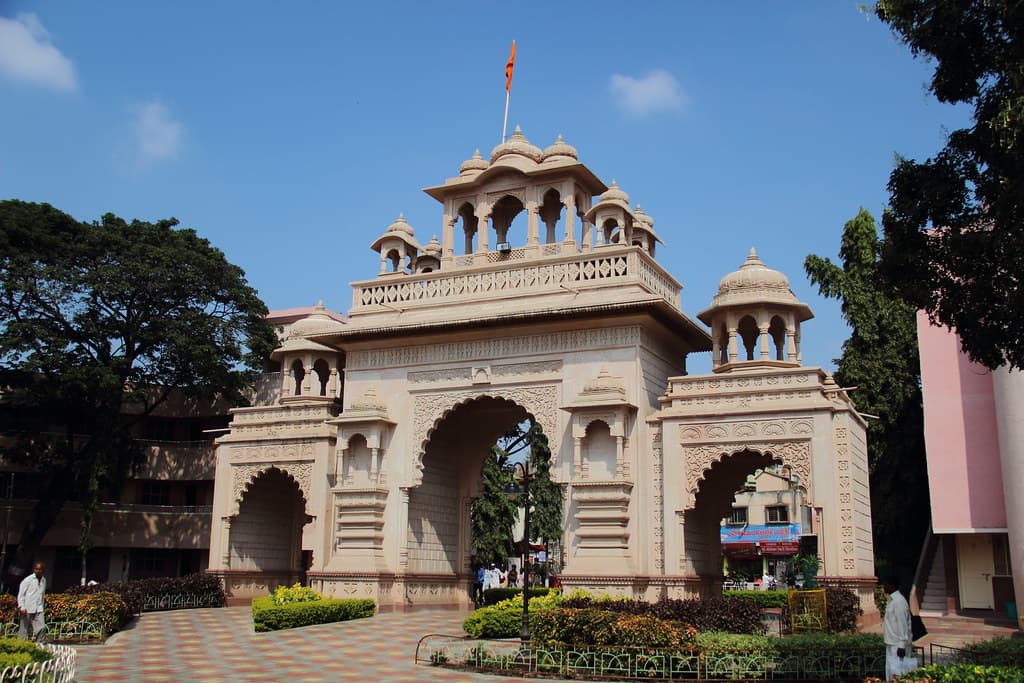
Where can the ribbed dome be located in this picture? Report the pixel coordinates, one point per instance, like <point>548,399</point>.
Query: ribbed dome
<point>560,150</point>
<point>518,145</point>
<point>433,247</point>
<point>400,225</point>
<point>614,193</point>
<point>317,322</point>
<point>754,282</point>
<point>474,164</point>
<point>641,217</point>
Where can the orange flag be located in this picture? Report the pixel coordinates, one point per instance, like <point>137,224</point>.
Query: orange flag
<point>508,68</point>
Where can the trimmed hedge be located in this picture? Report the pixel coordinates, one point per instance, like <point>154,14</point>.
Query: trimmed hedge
<point>493,596</point>
<point>961,673</point>
<point>995,652</point>
<point>15,652</point>
<point>266,616</point>
<point>763,599</point>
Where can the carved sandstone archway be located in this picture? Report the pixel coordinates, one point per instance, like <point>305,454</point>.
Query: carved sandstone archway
<point>432,409</point>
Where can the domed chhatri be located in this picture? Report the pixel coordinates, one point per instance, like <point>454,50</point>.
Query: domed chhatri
<point>317,322</point>
<point>753,282</point>
<point>400,225</point>
<point>754,318</point>
<point>614,194</point>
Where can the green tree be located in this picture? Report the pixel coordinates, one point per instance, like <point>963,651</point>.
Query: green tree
<point>100,323</point>
<point>954,231</point>
<point>546,496</point>
<point>493,514</point>
<point>880,358</point>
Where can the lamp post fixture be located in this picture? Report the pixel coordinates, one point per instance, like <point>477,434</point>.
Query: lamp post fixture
<point>522,470</point>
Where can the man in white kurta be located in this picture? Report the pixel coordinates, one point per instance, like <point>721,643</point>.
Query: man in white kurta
<point>30,604</point>
<point>896,631</point>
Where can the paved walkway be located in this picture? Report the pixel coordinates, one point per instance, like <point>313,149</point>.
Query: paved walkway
<point>218,645</point>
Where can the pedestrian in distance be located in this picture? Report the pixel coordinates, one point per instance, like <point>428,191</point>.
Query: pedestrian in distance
<point>897,633</point>
<point>30,604</point>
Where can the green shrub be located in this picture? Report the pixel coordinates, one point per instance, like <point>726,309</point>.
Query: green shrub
<point>287,595</point>
<point>493,596</point>
<point>741,643</point>
<point>505,619</point>
<point>763,599</point>
<point>15,659</point>
<point>963,673</point>
<point>842,607</point>
<point>995,652</point>
<point>106,609</point>
<point>133,592</point>
<point>714,614</point>
<point>488,622</point>
<point>594,626</point>
<point>853,644</point>
<point>21,649</point>
<point>266,616</point>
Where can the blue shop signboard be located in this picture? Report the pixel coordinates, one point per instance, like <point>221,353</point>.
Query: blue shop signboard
<point>761,539</point>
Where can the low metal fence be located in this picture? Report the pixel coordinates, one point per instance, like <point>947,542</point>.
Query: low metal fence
<point>60,669</point>
<point>62,631</point>
<point>154,603</point>
<point>623,663</point>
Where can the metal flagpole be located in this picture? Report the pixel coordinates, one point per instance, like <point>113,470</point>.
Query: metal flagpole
<point>508,88</point>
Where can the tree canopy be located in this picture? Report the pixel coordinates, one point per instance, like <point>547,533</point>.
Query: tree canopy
<point>100,323</point>
<point>954,231</point>
<point>880,358</point>
<point>493,514</point>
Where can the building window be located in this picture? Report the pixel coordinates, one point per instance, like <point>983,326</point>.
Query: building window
<point>738,517</point>
<point>156,493</point>
<point>777,514</point>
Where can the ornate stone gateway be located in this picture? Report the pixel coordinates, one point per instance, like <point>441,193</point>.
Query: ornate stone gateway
<point>379,426</point>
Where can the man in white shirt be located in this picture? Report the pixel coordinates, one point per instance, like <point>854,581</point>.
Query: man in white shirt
<point>897,631</point>
<point>30,604</point>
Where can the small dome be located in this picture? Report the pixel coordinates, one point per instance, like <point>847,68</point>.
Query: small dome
<point>473,165</point>
<point>754,281</point>
<point>317,322</point>
<point>614,193</point>
<point>400,225</point>
<point>433,247</point>
<point>640,217</point>
<point>517,144</point>
<point>560,150</point>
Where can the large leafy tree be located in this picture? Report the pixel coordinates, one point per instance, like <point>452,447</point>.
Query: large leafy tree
<point>955,227</point>
<point>493,514</point>
<point>880,358</point>
<point>100,323</point>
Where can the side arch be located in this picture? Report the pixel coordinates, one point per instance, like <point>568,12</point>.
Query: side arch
<point>243,476</point>
<point>699,461</point>
<point>432,409</point>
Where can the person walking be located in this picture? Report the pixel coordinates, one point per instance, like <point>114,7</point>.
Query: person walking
<point>30,604</point>
<point>897,633</point>
<point>478,585</point>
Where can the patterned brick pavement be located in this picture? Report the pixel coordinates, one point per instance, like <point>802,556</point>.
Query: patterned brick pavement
<point>218,645</point>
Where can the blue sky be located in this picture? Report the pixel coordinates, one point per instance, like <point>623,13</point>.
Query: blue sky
<point>292,135</point>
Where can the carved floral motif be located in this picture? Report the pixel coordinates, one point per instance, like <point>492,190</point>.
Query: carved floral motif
<point>699,459</point>
<point>242,476</point>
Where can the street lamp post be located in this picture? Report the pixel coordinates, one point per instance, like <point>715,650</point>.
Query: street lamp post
<point>523,468</point>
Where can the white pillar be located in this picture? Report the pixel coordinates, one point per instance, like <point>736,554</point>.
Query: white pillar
<point>1008,390</point>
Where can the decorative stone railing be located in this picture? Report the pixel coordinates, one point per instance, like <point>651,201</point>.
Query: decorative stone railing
<point>613,266</point>
<point>61,631</point>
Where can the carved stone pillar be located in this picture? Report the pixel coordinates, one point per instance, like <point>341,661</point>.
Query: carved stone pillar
<point>532,225</point>
<point>483,230</point>
<point>734,353</point>
<point>765,349</point>
<point>577,457</point>
<point>226,531</point>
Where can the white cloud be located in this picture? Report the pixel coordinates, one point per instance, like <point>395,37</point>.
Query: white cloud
<point>26,54</point>
<point>157,134</point>
<point>658,91</point>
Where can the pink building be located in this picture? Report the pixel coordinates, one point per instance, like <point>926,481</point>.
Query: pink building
<point>974,435</point>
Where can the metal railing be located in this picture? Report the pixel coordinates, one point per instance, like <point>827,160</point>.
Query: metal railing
<point>155,603</point>
<point>626,663</point>
<point>60,669</point>
<point>63,631</point>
